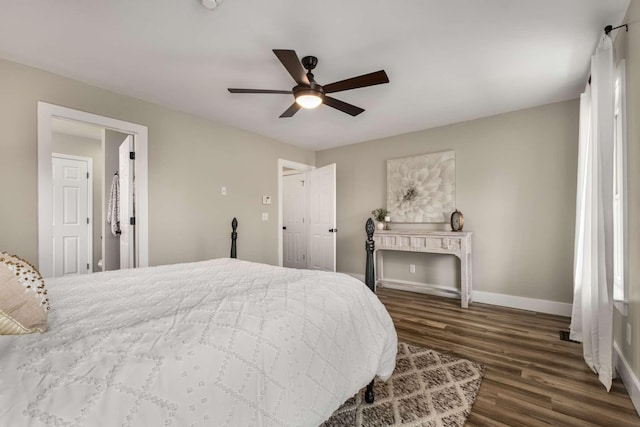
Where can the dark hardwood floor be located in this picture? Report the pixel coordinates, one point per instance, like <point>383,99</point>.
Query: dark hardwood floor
<point>531,379</point>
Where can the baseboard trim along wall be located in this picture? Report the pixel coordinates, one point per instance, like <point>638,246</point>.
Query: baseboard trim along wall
<point>522,303</point>
<point>629,379</point>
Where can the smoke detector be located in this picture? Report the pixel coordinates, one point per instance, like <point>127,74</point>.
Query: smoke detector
<point>211,4</point>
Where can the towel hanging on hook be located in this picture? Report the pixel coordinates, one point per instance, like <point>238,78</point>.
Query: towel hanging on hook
<point>113,211</point>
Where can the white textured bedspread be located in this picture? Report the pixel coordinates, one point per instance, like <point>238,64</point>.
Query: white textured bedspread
<point>213,343</point>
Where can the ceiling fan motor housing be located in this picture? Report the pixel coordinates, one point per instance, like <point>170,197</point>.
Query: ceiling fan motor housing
<point>313,89</point>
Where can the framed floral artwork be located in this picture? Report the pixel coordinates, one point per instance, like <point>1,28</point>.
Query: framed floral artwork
<point>422,188</point>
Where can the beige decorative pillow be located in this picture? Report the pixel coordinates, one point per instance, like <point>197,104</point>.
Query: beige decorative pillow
<point>23,298</point>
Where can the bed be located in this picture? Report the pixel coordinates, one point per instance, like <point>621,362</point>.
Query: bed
<point>222,342</point>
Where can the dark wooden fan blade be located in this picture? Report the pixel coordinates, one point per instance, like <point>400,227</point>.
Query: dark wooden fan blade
<point>371,79</point>
<point>291,110</point>
<point>342,106</point>
<point>291,62</point>
<point>233,90</point>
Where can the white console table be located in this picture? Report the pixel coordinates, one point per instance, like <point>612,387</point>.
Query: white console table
<point>436,242</point>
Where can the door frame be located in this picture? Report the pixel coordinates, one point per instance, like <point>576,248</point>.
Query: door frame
<point>89,161</point>
<point>282,163</point>
<point>126,229</point>
<point>48,111</point>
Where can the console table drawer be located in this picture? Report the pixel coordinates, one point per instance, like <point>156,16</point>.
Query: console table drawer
<point>419,243</point>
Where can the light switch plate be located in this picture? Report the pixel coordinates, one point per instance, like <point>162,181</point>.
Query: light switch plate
<point>265,216</point>
<point>223,191</point>
<point>266,200</point>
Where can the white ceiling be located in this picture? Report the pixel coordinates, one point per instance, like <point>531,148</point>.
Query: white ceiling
<point>448,60</point>
<point>70,127</point>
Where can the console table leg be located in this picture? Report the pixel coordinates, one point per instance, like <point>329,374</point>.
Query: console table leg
<point>470,277</point>
<point>379,266</point>
<point>464,281</point>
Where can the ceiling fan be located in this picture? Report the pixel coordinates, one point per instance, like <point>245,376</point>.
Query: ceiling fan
<point>308,93</point>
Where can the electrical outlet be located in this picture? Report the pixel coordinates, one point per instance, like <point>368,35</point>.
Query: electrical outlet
<point>266,200</point>
<point>629,333</point>
<point>223,191</point>
<point>412,268</point>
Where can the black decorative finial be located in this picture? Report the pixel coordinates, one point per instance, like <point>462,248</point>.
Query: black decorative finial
<point>234,237</point>
<point>370,228</point>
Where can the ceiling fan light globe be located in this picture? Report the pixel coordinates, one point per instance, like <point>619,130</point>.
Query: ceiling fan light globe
<point>308,101</point>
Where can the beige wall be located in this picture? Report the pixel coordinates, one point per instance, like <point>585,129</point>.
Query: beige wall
<point>86,147</point>
<point>628,46</point>
<point>189,159</point>
<point>515,184</point>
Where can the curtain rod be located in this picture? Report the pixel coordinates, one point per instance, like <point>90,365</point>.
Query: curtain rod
<point>610,28</point>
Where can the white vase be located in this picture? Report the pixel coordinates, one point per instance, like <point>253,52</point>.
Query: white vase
<point>380,225</point>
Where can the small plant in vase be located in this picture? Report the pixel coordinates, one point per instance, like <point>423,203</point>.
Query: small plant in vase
<point>381,215</point>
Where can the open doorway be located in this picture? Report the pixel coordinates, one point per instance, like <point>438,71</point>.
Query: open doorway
<point>92,192</point>
<point>92,177</point>
<point>306,216</point>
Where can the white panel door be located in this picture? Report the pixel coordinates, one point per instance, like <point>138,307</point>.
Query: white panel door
<point>322,218</point>
<point>294,211</point>
<point>71,245</point>
<point>125,171</point>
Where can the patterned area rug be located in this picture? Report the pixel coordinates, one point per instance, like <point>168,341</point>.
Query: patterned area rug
<point>426,389</point>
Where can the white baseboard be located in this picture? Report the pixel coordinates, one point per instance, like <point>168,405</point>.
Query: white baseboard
<point>629,379</point>
<point>522,303</point>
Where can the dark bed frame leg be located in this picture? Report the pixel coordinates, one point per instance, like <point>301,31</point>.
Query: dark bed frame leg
<point>368,395</point>
<point>234,237</point>
<point>370,281</point>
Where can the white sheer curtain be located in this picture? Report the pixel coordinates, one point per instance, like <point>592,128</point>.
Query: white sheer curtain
<point>592,317</point>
